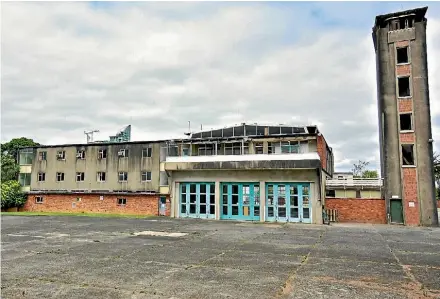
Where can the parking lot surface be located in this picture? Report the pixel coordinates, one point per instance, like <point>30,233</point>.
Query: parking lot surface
<point>88,257</point>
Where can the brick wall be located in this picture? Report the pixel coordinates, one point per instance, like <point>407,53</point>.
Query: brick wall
<point>405,105</point>
<point>358,210</point>
<point>410,195</point>
<point>407,138</point>
<point>402,70</point>
<point>136,204</point>
<point>322,150</point>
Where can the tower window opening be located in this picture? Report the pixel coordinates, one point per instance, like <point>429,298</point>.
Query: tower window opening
<point>402,55</point>
<point>405,122</point>
<point>403,86</point>
<point>408,154</point>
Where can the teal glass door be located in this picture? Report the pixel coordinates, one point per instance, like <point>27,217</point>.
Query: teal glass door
<point>288,202</point>
<point>240,201</point>
<point>197,200</point>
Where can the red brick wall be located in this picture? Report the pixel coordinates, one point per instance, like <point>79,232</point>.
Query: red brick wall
<point>322,150</point>
<point>358,210</point>
<point>410,194</point>
<point>407,138</point>
<point>405,105</point>
<point>402,70</point>
<point>136,204</point>
<point>403,43</point>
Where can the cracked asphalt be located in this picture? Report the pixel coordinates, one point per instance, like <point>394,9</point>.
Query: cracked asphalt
<point>85,257</point>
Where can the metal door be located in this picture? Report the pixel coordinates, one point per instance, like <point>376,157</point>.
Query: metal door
<point>396,209</point>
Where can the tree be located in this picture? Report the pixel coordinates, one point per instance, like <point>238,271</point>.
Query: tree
<point>10,169</point>
<point>12,196</point>
<point>359,168</point>
<point>370,174</point>
<point>14,145</point>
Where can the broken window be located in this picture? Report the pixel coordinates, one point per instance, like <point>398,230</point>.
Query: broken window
<point>123,176</point>
<point>60,176</point>
<point>406,122</point>
<point>102,154</point>
<point>259,148</point>
<point>61,155</point>
<point>402,55</point>
<point>101,176</point>
<point>123,153</point>
<point>330,193</point>
<point>80,176</point>
<point>122,201</point>
<point>403,86</point>
<point>408,154</point>
<point>81,154</point>
<point>42,156</point>
<point>146,152</point>
<point>146,176</point>
<point>38,199</point>
<point>41,176</point>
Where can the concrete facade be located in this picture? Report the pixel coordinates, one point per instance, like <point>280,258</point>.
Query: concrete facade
<point>413,182</point>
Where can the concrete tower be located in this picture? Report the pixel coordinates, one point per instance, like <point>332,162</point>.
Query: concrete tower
<point>404,117</point>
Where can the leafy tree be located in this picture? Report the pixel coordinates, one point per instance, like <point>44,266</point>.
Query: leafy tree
<point>13,146</point>
<point>370,174</point>
<point>12,196</point>
<point>10,169</point>
<point>359,168</point>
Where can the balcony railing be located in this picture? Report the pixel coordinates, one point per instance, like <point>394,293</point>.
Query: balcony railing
<point>355,182</point>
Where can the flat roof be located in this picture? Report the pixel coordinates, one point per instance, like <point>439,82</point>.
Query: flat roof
<point>420,12</point>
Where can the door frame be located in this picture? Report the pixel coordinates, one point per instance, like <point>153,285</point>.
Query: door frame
<point>240,205</point>
<point>401,211</point>
<point>209,194</point>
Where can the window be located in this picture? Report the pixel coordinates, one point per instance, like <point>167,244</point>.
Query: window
<point>102,154</point>
<point>42,156</point>
<point>340,177</point>
<point>123,153</point>
<point>206,149</point>
<point>61,155</point>
<point>233,148</point>
<point>146,176</point>
<point>41,176</point>
<point>122,201</point>
<point>408,154</point>
<point>403,86</point>
<point>24,179</point>
<point>80,176</point>
<point>39,199</point>
<point>123,176</point>
<point>163,178</point>
<point>146,152</point>
<point>330,193</point>
<point>101,176</point>
<point>259,148</point>
<point>402,55</point>
<point>81,154</point>
<point>358,193</point>
<point>406,122</point>
<point>60,176</point>
<point>26,157</point>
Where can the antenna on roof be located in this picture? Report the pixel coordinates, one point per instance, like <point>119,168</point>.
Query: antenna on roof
<point>89,135</point>
<point>189,129</point>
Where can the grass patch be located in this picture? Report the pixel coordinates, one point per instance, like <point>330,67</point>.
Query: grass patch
<point>103,215</point>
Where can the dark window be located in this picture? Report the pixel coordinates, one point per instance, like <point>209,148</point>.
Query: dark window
<point>403,84</point>
<point>405,122</point>
<point>330,193</point>
<point>80,176</point>
<point>101,177</point>
<point>61,155</point>
<point>408,154</point>
<point>38,199</point>
<point>146,152</point>
<point>402,55</point>
<point>60,176</point>
<point>122,201</point>
<point>41,176</point>
<point>358,193</point>
<point>239,131</point>
<point>146,176</point>
<point>42,156</point>
<point>81,154</point>
<point>102,154</point>
<point>123,176</point>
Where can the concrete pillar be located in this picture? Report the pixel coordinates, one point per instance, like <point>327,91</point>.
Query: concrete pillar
<point>175,199</point>
<point>262,201</point>
<point>217,200</point>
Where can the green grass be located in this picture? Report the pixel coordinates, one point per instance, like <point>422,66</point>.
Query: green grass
<point>72,214</point>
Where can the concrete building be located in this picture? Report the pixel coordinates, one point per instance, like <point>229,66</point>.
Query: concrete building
<point>246,172</point>
<point>404,117</point>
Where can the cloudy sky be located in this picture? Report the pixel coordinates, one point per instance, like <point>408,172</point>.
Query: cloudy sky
<point>70,67</point>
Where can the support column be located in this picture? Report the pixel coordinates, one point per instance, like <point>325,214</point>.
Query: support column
<point>175,200</point>
<point>262,201</point>
<point>217,200</point>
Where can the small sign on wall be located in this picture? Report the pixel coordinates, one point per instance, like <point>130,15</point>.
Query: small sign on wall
<point>101,197</point>
<point>411,204</point>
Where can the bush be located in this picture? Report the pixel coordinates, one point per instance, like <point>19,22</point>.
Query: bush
<point>12,196</point>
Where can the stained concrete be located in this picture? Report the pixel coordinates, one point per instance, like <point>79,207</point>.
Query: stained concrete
<point>82,257</point>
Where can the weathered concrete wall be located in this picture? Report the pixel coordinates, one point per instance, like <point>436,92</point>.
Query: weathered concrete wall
<point>249,176</point>
<point>91,203</point>
<point>358,210</point>
<point>133,164</point>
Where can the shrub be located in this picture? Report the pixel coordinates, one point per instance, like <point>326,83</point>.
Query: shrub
<point>12,196</point>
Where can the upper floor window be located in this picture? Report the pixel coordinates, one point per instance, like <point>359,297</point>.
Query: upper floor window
<point>60,176</point>
<point>80,176</point>
<point>41,176</point>
<point>146,176</point>
<point>42,156</point>
<point>233,148</point>
<point>147,152</point>
<point>26,157</point>
<point>206,149</point>
<point>102,154</point>
<point>81,154</point>
<point>402,55</point>
<point>100,177</point>
<point>406,122</point>
<point>61,155</point>
<point>24,179</point>
<point>123,153</point>
<point>123,176</point>
<point>259,148</point>
<point>403,86</point>
<point>408,154</point>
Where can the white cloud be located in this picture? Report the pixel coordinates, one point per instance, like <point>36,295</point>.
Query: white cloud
<point>67,67</point>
